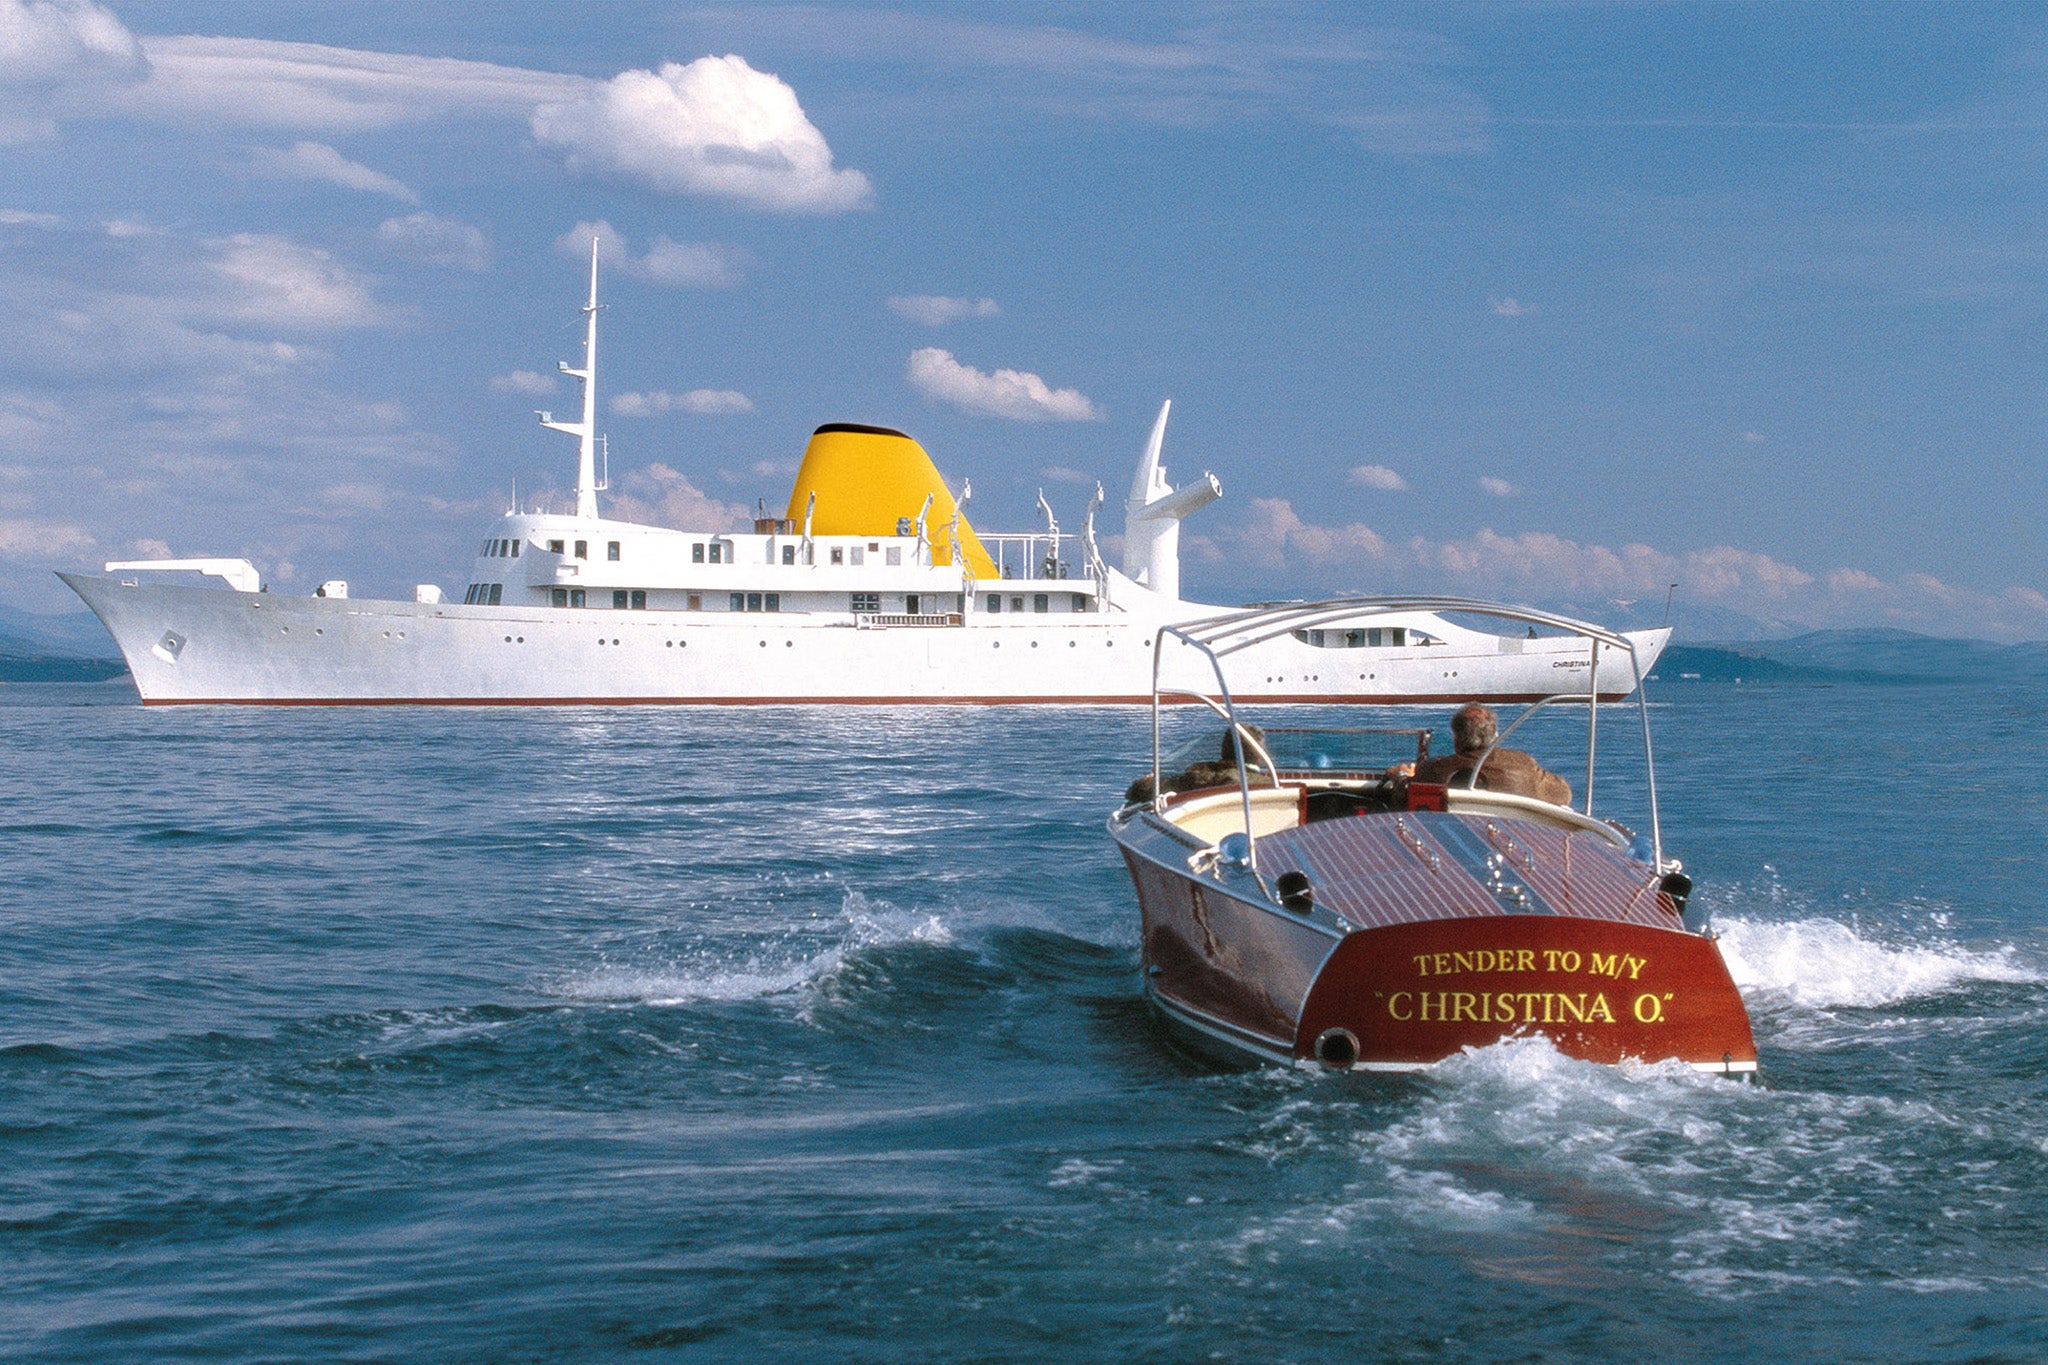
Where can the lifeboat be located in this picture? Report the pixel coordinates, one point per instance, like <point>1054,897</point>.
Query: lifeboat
<point>1362,899</point>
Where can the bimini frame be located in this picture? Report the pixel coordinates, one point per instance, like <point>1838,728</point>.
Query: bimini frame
<point>1217,637</point>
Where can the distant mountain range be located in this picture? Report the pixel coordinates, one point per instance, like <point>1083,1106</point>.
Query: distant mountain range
<point>69,648</point>
<point>1874,655</point>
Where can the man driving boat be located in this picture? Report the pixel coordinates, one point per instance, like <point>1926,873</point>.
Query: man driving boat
<point>1473,728</point>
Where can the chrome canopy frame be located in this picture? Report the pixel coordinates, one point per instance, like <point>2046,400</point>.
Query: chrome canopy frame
<point>1218,637</point>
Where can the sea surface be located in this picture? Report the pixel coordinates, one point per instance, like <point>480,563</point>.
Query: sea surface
<point>784,1034</point>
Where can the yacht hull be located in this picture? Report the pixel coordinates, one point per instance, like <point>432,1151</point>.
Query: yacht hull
<point>187,645</point>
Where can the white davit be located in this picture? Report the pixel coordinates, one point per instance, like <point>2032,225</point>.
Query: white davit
<point>871,587</point>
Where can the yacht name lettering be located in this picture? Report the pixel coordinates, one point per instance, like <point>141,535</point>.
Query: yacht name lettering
<point>1513,1007</point>
<point>1616,965</point>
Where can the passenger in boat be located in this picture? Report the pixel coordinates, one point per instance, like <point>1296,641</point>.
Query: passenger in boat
<point>1473,728</point>
<point>1196,776</point>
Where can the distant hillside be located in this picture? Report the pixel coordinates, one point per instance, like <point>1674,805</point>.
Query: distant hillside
<point>69,648</point>
<point>1873,655</point>
<point>77,634</point>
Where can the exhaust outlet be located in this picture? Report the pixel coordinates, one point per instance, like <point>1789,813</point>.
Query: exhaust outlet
<point>1337,1049</point>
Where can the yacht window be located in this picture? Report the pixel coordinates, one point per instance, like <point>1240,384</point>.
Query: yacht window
<point>611,551</point>
<point>1041,602</point>
<point>639,599</point>
<point>858,557</point>
<point>583,549</point>
<point>753,601</point>
<point>838,555</point>
<point>864,601</point>
<point>558,597</point>
<point>696,554</point>
<point>498,550</point>
<point>497,593</point>
<point>911,604</point>
<point>618,599</point>
<point>773,601</point>
<point>717,553</point>
<point>485,552</point>
<point>1080,601</point>
<point>696,602</point>
<point>894,555</point>
<point>995,604</point>
<point>1375,638</point>
<point>874,545</point>
<point>737,602</point>
<point>1354,639</point>
<point>515,549</point>
<point>1399,636</point>
<point>789,554</point>
<point>576,597</point>
<point>1016,604</point>
<point>554,547</point>
<point>469,598</point>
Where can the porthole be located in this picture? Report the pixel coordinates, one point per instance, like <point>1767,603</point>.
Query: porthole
<point>764,644</point>
<point>1072,643</point>
<point>522,639</point>
<point>789,644</point>
<point>671,644</point>
<point>615,642</point>
<point>284,630</point>
<point>318,630</point>
<point>508,639</point>
<point>401,635</point>
<point>997,645</point>
<point>1034,644</point>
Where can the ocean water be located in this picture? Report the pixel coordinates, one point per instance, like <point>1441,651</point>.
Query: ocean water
<point>536,1035</point>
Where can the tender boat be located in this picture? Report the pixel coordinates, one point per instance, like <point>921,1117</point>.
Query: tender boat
<point>1304,901</point>
<point>870,587</point>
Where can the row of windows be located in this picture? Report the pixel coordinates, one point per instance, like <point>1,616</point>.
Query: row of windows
<point>484,595</point>
<point>611,549</point>
<point>1376,637</point>
<point>500,549</point>
<point>1040,601</point>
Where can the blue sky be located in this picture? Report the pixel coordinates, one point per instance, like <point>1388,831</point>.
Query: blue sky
<point>1549,302</point>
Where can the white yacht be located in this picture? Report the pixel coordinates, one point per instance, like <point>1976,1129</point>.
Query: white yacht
<point>871,587</point>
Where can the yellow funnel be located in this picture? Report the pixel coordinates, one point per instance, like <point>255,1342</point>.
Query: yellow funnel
<point>866,478</point>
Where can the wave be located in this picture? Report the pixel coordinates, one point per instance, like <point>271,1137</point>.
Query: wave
<point>791,964</point>
<point>1825,963</point>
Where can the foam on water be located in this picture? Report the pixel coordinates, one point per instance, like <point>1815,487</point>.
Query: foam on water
<point>1728,1187</point>
<point>1824,963</point>
<point>789,964</point>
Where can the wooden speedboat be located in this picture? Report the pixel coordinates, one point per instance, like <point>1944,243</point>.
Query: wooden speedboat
<point>1305,901</point>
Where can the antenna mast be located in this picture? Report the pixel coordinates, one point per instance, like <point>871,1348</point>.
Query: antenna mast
<point>584,431</point>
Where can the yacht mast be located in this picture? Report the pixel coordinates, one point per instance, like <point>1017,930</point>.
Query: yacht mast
<point>584,431</point>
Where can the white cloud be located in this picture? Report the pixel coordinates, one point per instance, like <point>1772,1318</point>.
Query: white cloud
<point>705,402</point>
<point>21,539</point>
<point>678,265</point>
<point>1508,308</point>
<point>692,265</point>
<point>659,496</point>
<point>20,218</point>
<point>524,381</point>
<point>318,161</point>
<point>1499,488</point>
<point>256,82</point>
<point>935,310</point>
<point>1270,536</point>
<point>1059,473</point>
<point>53,48</point>
<point>1380,477</point>
<point>715,127</point>
<point>1014,394</point>
<point>1755,438</point>
<point>433,240</point>
<point>279,282</point>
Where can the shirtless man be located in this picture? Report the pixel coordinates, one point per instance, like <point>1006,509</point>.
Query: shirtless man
<point>1473,727</point>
